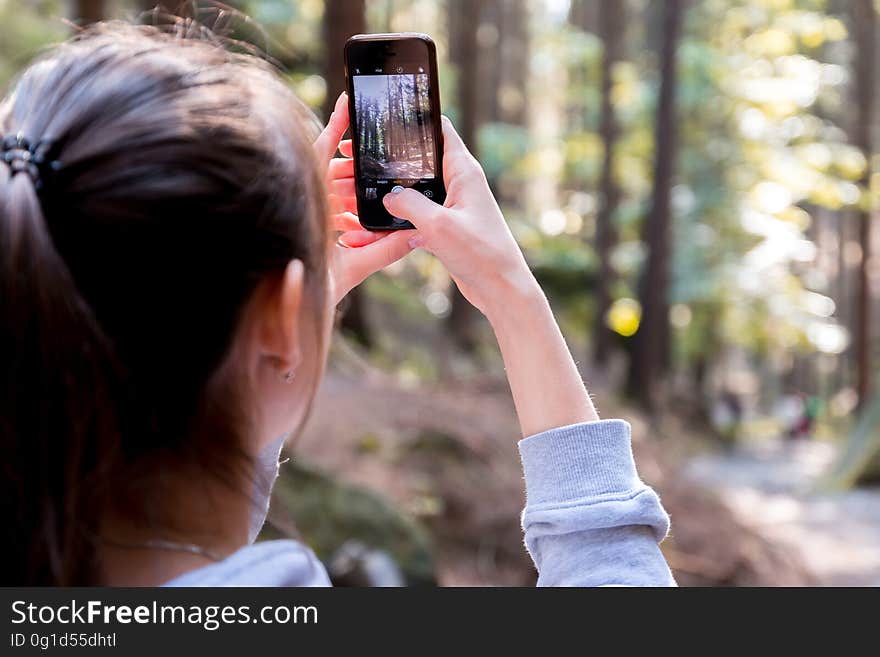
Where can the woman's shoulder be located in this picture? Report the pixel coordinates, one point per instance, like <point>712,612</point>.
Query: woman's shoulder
<point>268,563</point>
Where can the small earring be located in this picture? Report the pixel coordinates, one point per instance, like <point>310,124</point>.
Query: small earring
<point>288,376</point>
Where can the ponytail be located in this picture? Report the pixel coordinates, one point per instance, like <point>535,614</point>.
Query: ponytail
<point>54,445</point>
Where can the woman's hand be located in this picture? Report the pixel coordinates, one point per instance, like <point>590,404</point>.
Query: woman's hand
<point>468,233</point>
<point>469,236</point>
<point>357,252</point>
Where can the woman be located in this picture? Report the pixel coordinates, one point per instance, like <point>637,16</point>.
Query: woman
<point>168,276</point>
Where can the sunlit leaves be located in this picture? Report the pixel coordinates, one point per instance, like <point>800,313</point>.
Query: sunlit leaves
<point>624,316</point>
<point>766,83</point>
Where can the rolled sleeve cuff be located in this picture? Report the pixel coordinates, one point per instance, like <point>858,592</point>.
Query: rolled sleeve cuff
<point>586,460</point>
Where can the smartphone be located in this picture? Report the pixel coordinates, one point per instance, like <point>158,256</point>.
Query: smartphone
<point>394,105</point>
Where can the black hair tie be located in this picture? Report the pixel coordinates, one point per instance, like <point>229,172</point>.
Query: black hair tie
<point>30,157</point>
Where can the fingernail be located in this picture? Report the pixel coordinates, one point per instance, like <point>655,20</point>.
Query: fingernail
<point>388,199</point>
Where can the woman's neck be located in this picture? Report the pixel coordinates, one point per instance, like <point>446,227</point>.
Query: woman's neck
<point>195,524</point>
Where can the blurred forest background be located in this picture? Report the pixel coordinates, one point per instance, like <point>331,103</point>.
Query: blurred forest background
<point>696,184</point>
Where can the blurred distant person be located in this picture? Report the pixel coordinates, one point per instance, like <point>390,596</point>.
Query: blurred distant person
<point>172,246</point>
<point>727,416</point>
<point>805,420</point>
<point>789,410</point>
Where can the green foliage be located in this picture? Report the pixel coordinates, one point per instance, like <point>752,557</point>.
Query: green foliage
<point>25,30</point>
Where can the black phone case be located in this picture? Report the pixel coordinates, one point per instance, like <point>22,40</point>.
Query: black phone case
<point>436,126</point>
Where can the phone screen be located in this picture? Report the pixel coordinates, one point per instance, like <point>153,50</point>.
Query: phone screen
<point>395,127</point>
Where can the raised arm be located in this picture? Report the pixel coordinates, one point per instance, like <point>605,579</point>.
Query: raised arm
<point>589,520</point>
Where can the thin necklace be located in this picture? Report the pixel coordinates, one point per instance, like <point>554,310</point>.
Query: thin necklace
<point>159,544</point>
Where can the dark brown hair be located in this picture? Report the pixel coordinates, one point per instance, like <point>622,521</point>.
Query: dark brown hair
<point>185,178</point>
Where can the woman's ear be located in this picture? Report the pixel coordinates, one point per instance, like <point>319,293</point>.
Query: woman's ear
<point>278,329</point>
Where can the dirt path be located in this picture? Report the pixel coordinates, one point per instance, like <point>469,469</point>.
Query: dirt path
<point>771,487</point>
<point>446,454</point>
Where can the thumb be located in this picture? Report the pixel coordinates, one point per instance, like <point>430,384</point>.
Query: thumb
<point>417,208</point>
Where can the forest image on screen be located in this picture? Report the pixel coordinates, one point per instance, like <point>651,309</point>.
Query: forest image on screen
<point>394,126</point>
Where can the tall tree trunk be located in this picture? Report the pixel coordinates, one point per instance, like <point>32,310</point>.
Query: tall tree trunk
<point>584,14</point>
<point>504,78</point>
<point>420,123</point>
<point>651,341</point>
<point>490,63</point>
<point>864,26</point>
<point>390,135</point>
<point>503,68</point>
<point>611,27</point>
<point>464,21</point>
<point>515,51</point>
<point>843,298</point>
<point>88,11</point>
<point>343,18</point>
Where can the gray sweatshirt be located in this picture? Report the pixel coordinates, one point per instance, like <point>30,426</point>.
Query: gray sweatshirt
<point>588,521</point>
